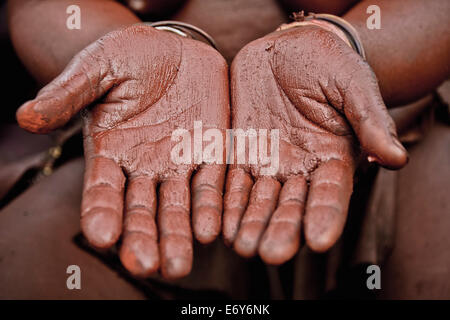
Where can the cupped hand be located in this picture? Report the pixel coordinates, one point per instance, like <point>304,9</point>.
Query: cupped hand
<point>145,84</point>
<point>324,100</point>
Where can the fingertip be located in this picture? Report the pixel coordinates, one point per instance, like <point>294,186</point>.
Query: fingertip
<point>319,245</point>
<point>323,227</point>
<point>102,227</point>
<point>231,219</point>
<point>245,249</point>
<point>41,116</point>
<point>238,187</point>
<point>274,253</point>
<point>228,238</point>
<point>246,243</point>
<point>279,244</point>
<point>30,120</point>
<point>176,267</point>
<point>394,156</point>
<point>398,156</point>
<point>176,255</point>
<point>206,224</point>
<point>139,254</point>
<point>269,252</point>
<point>383,147</point>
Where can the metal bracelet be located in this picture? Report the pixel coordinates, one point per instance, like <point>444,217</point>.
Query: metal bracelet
<point>346,27</point>
<point>183,29</point>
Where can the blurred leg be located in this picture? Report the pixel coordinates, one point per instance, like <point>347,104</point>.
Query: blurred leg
<point>36,244</point>
<point>419,267</point>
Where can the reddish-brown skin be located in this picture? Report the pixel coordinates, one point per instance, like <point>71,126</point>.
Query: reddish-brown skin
<point>411,50</point>
<point>155,82</point>
<point>156,8</point>
<point>324,99</point>
<point>46,51</point>
<point>317,6</point>
<point>44,43</point>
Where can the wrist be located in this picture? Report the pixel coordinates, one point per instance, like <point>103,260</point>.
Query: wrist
<point>184,30</point>
<point>317,23</point>
<point>334,24</point>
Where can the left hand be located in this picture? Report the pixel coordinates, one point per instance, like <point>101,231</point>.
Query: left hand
<point>325,101</point>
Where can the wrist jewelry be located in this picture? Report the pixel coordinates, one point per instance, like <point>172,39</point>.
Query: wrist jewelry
<point>183,29</point>
<point>343,28</point>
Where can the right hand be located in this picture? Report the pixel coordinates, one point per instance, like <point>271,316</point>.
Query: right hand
<point>145,84</point>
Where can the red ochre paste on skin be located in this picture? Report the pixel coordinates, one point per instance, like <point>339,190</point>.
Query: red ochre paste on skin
<point>308,83</point>
<point>155,82</point>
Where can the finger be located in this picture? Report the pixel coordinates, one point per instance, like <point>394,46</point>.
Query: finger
<point>263,201</point>
<point>139,251</point>
<point>102,204</point>
<point>175,230</point>
<point>327,204</point>
<point>207,186</point>
<point>81,83</point>
<point>238,187</point>
<point>281,240</point>
<point>365,110</point>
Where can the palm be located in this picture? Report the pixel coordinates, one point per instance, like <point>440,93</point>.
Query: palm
<point>300,81</point>
<point>155,83</point>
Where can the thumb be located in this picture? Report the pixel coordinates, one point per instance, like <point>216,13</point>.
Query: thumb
<point>81,83</point>
<point>364,108</point>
